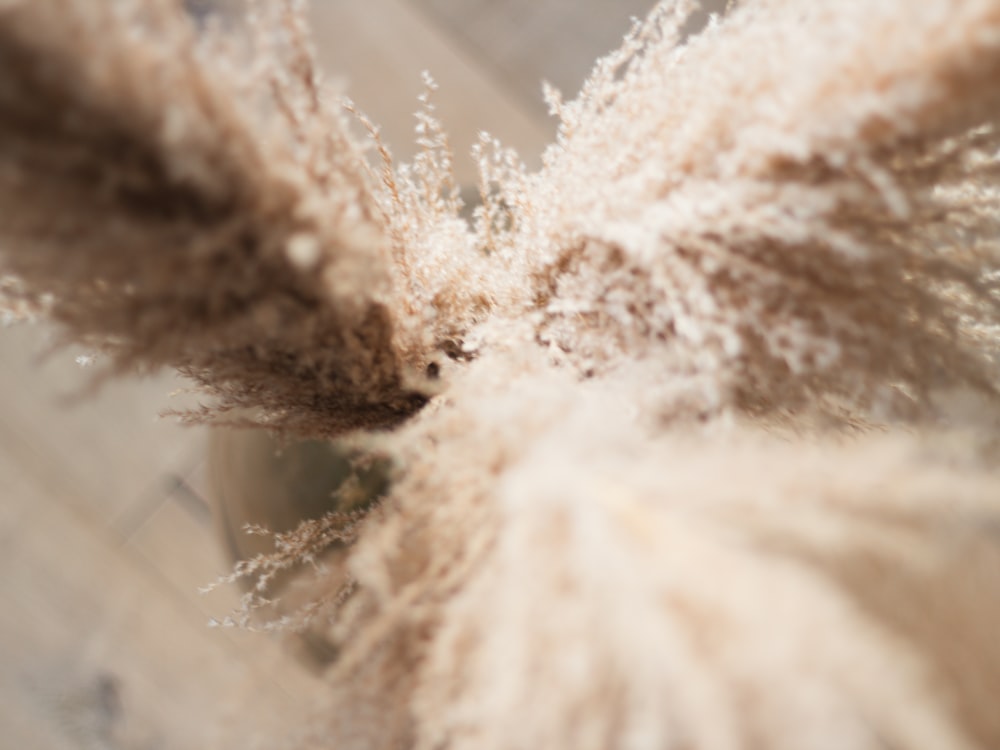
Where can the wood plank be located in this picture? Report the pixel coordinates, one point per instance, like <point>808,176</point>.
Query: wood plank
<point>95,648</point>
<point>527,41</point>
<point>524,42</point>
<point>106,451</point>
<point>380,48</point>
<point>181,544</point>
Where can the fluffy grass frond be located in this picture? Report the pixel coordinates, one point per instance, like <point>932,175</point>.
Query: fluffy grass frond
<point>185,199</point>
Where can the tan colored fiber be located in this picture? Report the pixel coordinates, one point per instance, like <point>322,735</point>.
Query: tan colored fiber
<point>694,430</point>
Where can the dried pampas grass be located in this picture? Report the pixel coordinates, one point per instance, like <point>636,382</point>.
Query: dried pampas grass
<point>171,204</point>
<point>694,430</point>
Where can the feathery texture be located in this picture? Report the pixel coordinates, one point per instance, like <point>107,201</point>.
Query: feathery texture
<point>611,588</point>
<point>796,204</point>
<point>171,204</point>
<point>625,511</point>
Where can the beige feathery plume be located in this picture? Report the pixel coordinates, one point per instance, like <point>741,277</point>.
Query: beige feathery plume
<point>787,221</point>
<point>172,204</point>
<point>793,205</point>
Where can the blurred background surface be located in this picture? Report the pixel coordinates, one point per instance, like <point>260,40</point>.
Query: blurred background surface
<point>105,532</point>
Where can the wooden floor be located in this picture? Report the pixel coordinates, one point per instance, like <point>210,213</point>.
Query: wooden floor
<point>105,535</point>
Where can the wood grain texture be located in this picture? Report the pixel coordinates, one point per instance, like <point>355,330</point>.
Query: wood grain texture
<point>380,47</point>
<point>105,449</point>
<point>100,650</point>
<point>525,41</point>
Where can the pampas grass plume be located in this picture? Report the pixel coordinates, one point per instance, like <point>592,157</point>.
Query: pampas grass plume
<point>693,429</point>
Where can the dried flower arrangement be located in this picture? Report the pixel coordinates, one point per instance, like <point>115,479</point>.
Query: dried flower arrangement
<point>694,429</point>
